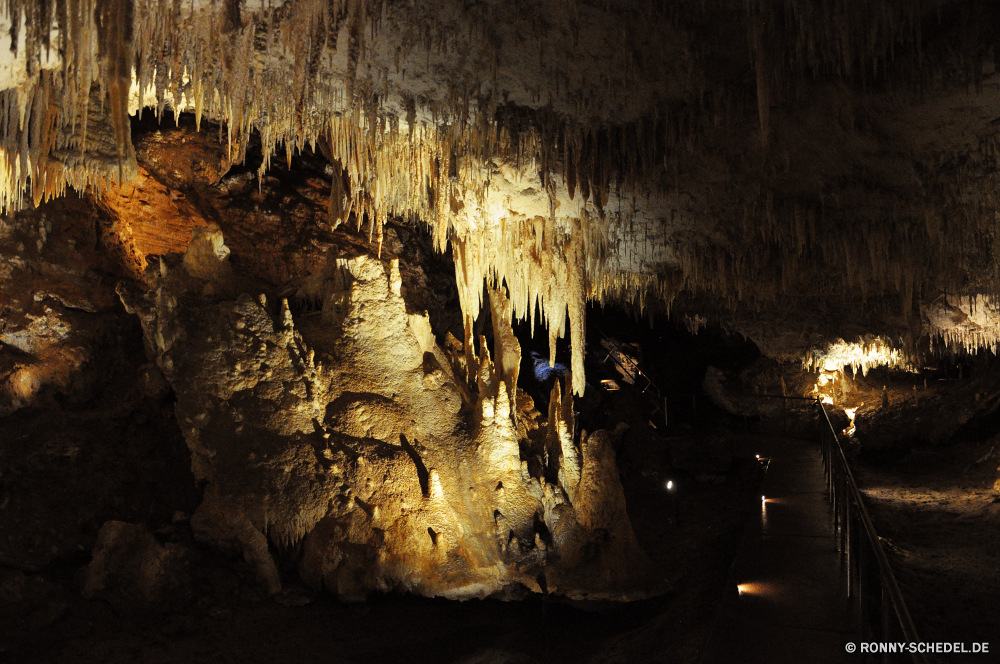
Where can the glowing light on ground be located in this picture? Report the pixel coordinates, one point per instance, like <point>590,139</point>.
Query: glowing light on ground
<point>750,588</point>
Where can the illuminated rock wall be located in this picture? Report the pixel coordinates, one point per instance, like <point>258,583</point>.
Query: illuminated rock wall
<point>356,436</point>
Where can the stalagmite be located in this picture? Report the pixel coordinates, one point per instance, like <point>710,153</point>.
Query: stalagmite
<point>356,444</point>
<point>508,351</point>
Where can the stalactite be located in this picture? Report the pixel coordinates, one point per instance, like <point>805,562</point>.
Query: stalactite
<point>862,355</point>
<point>762,68</point>
<point>443,161</point>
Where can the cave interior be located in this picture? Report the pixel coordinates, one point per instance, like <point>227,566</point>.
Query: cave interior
<point>447,331</point>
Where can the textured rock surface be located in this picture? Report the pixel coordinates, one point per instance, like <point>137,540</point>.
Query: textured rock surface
<point>86,433</point>
<point>54,301</point>
<point>757,157</point>
<point>355,434</point>
<point>131,570</point>
<point>301,407</point>
<point>285,457</point>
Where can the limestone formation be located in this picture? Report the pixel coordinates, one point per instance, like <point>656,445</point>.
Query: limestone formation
<point>357,435</point>
<point>818,176</point>
<point>578,152</point>
<point>54,303</point>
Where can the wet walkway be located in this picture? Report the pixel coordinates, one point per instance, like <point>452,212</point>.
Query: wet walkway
<point>788,599</point>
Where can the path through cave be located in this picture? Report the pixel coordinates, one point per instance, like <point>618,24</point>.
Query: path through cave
<point>787,600</point>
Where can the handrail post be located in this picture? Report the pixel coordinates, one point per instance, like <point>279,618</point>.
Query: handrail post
<point>862,590</point>
<point>847,542</point>
<point>886,606</point>
<point>836,508</point>
<point>852,562</point>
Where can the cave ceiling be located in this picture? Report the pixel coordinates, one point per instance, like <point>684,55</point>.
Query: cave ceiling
<point>801,171</point>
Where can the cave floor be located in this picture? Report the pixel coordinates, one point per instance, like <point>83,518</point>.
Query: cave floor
<point>44,618</point>
<point>787,600</point>
<point>940,524</point>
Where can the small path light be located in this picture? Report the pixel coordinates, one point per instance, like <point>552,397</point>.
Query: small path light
<point>674,497</point>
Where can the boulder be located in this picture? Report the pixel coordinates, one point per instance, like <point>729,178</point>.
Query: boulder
<point>131,570</point>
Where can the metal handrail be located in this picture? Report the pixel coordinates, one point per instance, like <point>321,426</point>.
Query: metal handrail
<point>850,521</point>
<point>782,396</point>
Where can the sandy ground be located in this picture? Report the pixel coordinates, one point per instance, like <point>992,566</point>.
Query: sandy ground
<point>941,528</point>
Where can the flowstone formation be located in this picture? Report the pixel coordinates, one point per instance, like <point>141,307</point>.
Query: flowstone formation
<point>352,443</point>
